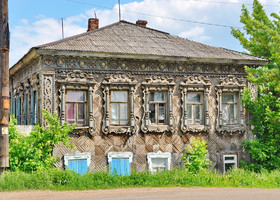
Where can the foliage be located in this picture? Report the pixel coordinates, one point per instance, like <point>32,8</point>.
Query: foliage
<point>195,157</point>
<point>55,179</point>
<point>34,152</point>
<point>261,37</point>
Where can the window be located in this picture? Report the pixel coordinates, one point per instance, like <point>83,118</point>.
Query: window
<point>119,108</point>
<point>195,93</point>
<point>194,108</point>
<point>158,105</point>
<point>159,161</point>
<point>119,163</point>
<point>118,99</point>
<point>76,107</point>
<point>78,162</point>
<point>230,162</point>
<point>157,108</point>
<point>230,113</point>
<point>229,108</point>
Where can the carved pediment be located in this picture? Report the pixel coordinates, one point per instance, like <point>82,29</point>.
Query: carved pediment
<point>159,80</point>
<point>232,81</point>
<point>34,80</point>
<point>119,79</point>
<point>77,76</point>
<point>196,80</point>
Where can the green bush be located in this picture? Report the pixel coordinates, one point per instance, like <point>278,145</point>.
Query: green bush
<point>195,157</point>
<point>34,152</point>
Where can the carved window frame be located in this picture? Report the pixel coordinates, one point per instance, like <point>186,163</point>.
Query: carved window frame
<point>118,82</point>
<point>158,84</point>
<point>195,84</point>
<point>230,84</point>
<point>80,81</point>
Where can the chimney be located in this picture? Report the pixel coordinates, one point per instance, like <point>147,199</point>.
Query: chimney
<point>142,23</point>
<point>93,24</point>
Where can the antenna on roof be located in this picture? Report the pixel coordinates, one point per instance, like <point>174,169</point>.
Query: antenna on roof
<point>62,28</point>
<point>119,10</point>
<point>95,14</point>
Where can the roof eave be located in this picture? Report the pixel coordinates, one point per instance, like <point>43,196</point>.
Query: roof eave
<point>30,55</point>
<point>256,62</point>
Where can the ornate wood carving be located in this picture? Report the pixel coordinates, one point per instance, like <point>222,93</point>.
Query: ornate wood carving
<point>118,82</point>
<point>230,84</point>
<point>195,83</point>
<point>158,83</point>
<point>77,79</point>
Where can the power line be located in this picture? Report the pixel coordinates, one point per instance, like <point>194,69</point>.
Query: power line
<point>170,18</point>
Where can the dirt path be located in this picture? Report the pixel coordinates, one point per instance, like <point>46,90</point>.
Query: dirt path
<point>148,193</point>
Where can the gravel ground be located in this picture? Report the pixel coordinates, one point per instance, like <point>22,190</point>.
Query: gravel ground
<point>195,193</point>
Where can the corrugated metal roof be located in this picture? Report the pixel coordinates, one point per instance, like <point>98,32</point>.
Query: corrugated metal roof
<point>127,38</point>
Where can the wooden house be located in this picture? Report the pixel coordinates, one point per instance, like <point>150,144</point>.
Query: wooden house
<point>138,96</point>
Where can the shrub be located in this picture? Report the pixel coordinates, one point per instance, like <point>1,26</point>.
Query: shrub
<point>30,153</point>
<point>195,157</point>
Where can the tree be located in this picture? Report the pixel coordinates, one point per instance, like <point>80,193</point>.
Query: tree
<point>34,152</point>
<point>261,37</point>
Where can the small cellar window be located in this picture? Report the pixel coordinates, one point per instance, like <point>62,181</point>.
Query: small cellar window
<point>230,162</point>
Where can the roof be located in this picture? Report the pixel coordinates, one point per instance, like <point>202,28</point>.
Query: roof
<point>127,38</point>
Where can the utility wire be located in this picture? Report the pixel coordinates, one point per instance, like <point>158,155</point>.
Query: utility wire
<point>176,19</point>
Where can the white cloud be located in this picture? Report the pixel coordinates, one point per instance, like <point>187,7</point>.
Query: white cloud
<point>196,33</point>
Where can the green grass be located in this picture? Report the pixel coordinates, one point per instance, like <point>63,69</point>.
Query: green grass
<point>55,179</point>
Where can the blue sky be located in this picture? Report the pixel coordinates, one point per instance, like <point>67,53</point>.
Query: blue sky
<point>34,22</point>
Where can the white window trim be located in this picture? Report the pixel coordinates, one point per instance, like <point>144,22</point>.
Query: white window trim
<point>234,161</point>
<point>230,84</point>
<point>195,84</point>
<point>127,155</point>
<point>159,154</point>
<point>77,156</point>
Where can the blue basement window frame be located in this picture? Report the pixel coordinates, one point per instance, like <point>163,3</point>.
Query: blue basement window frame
<point>78,162</point>
<point>119,163</point>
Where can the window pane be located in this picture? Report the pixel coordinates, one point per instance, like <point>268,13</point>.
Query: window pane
<point>152,113</point>
<point>113,121</point>
<point>70,111</point>
<point>189,110</point>
<point>76,96</point>
<point>194,98</point>
<point>81,111</point>
<point>161,113</point>
<point>114,111</point>
<point>225,113</point>
<point>123,111</point>
<point>229,166</point>
<point>197,112</point>
<point>228,98</point>
<point>124,122</point>
<point>157,96</point>
<point>119,96</point>
<point>232,113</point>
<point>229,158</point>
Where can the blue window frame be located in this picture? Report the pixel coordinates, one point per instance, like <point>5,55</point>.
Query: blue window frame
<point>80,166</point>
<point>119,163</point>
<point>120,166</point>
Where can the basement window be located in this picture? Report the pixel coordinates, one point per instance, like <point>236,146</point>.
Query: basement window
<point>230,162</point>
<point>159,161</point>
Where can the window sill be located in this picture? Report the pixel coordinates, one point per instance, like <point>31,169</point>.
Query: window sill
<point>231,129</point>
<point>113,129</point>
<point>157,128</point>
<point>195,128</point>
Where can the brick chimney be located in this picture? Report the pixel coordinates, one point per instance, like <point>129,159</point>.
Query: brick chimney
<point>93,24</point>
<point>142,23</point>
